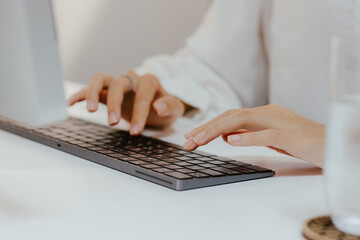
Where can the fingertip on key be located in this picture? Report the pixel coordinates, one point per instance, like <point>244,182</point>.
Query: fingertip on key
<point>91,106</point>
<point>135,129</point>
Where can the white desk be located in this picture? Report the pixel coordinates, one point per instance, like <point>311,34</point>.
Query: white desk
<point>49,194</point>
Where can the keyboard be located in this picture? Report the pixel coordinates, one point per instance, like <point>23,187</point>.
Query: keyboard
<point>160,162</point>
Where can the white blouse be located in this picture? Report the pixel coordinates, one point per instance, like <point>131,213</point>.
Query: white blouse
<point>248,53</point>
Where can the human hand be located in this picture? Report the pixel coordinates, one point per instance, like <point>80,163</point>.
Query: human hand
<point>146,104</point>
<point>271,126</point>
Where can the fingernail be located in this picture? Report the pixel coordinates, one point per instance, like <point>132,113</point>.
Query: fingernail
<point>160,107</point>
<point>112,118</point>
<point>198,139</point>
<point>234,139</point>
<point>91,105</point>
<point>134,130</point>
<point>190,144</point>
<point>189,134</point>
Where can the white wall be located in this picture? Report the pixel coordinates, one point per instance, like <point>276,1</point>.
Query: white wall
<point>113,36</point>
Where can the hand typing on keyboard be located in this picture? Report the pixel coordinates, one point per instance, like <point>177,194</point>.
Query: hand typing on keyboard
<point>271,126</point>
<point>140,100</point>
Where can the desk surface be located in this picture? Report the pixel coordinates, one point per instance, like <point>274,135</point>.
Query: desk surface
<point>49,194</point>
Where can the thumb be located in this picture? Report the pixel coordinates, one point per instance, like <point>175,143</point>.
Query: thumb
<point>168,106</point>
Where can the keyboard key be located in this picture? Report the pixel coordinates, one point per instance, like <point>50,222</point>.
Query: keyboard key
<point>136,155</point>
<point>134,149</point>
<point>81,137</point>
<point>156,155</point>
<point>175,167</point>
<point>183,164</point>
<point>221,158</point>
<point>204,154</point>
<point>162,163</point>
<point>138,162</point>
<point>161,170</point>
<point>238,163</point>
<point>193,155</point>
<point>149,159</point>
<point>229,165</point>
<point>205,159</point>
<point>178,175</point>
<point>112,148</point>
<point>169,159</point>
<point>180,151</point>
<point>244,170</point>
<point>128,159</point>
<point>160,151</point>
<point>212,172</point>
<point>185,170</point>
<point>195,162</point>
<point>227,171</point>
<point>104,151</point>
<point>171,154</point>
<point>84,145</point>
<point>149,166</point>
<point>198,175</point>
<point>207,165</point>
<point>217,162</point>
<point>95,148</point>
<point>169,149</point>
<point>183,158</point>
<point>195,167</point>
<point>258,169</point>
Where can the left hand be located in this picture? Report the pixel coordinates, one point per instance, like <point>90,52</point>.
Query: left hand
<point>271,126</point>
<point>144,103</point>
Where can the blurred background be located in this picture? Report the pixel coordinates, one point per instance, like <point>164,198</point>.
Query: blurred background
<point>113,36</point>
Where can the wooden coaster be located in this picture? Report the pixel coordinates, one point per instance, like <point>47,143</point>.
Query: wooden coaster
<point>322,228</point>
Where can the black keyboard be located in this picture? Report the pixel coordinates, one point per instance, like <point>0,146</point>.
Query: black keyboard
<point>148,158</point>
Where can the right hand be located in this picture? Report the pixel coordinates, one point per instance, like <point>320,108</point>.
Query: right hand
<point>148,105</point>
<point>270,126</point>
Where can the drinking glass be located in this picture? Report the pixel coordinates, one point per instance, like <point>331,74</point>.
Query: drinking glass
<point>342,158</point>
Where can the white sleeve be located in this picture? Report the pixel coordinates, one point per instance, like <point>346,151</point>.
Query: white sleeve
<point>185,76</point>
<point>202,74</point>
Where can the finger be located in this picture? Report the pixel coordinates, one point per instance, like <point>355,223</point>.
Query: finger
<point>266,138</point>
<point>201,128</point>
<point>144,96</point>
<point>263,117</point>
<point>97,84</point>
<point>190,144</point>
<point>103,96</point>
<point>225,136</point>
<point>223,126</point>
<point>116,91</point>
<point>271,138</point>
<point>77,97</point>
<point>250,119</point>
<point>168,106</point>
<point>134,78</point>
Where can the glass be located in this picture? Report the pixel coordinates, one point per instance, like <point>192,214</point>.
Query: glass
<point>342,160</point>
